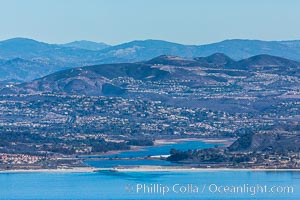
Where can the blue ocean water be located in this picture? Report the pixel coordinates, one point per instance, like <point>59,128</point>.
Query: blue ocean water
<point>127,185</point>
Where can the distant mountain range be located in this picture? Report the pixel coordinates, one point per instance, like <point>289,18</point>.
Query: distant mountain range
<point>88,45</point>
<point>25,59</point>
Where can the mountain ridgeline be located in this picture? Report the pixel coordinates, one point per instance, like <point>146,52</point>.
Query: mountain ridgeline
<point>40,59</point>
<point>120,79</point>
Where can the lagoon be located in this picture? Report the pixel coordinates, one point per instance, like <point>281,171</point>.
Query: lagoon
<point>144,152</point>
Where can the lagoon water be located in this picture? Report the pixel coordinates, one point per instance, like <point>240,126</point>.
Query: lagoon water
<point>148,185</point>
<point>162,149</point>
<point>147,151</point>
<point>165,149</point>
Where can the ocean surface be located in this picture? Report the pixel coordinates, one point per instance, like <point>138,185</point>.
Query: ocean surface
<point>206,185</point>
<point>130,185</point>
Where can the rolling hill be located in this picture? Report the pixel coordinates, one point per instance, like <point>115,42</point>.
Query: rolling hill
<point>172,77</point>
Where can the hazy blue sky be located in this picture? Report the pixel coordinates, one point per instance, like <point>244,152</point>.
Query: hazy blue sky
<point>117,21</point>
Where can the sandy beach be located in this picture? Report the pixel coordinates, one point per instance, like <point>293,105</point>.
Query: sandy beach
<point>59,170</point>
<point>226,141</point>
<point>187,169</point>
<point>149,168</point>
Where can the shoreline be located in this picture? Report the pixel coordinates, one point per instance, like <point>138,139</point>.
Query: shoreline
<point>59,170</point>
<point>182,169</point>
<point>89,169</point>
<point>144,169</point>
<point>149,168</point>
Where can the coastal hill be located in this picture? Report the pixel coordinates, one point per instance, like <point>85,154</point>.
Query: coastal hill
<point>19,69</point>
<point>279,142</point>
<point>254,149</point>
<point>48,58</point>
<point>215,70</point>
